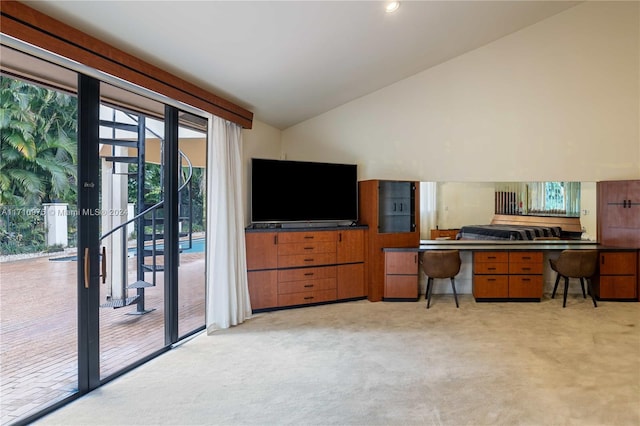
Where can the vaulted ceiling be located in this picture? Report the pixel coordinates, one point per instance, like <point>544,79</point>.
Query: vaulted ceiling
<point>288,61</point>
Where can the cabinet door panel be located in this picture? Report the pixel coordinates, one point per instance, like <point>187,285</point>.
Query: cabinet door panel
<point>401,263</point>
<point>351,281</point>
<point>401,287</point>
<point>261,250</point>
<point>263,289</point>
<point>350,246</point>
<point>617,287</point>
<point>618,263</point>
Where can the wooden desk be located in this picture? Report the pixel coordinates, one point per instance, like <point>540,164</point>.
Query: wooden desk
<point>606,287</point>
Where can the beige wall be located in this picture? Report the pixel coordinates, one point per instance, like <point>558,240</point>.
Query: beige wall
<point>262,141</point>
<point>558,100</point>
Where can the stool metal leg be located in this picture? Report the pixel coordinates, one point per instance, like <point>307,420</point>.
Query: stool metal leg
<point>593,297</point>
<point>566,289</point>
<point>430,287</point>
<point>555,287</point>
<point>584,295</point>
<point>455,295</point>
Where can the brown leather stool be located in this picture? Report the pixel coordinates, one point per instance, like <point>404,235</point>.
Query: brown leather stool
<point>441,264</point>
<point>575,264</point>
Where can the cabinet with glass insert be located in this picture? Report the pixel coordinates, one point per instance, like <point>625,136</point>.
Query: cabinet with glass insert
<point>396,208</point>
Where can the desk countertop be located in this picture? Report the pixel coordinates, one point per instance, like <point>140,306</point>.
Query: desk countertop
<point>471,245</point>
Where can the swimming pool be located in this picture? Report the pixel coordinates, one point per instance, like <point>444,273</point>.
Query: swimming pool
<point>197,246</point>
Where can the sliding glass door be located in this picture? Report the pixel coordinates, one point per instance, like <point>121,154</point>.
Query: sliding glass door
<point>38,243</point>
<point>103,267</point>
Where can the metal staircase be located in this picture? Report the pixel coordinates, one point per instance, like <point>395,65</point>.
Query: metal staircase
<point>149,219</point>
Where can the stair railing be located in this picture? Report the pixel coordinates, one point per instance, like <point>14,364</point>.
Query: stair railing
<point>123,227</point>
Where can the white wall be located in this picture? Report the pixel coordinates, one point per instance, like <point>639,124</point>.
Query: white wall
<point>262,141</point>
<point>558,100</point>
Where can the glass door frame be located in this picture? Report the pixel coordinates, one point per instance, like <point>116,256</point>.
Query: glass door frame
<point>89,266</point>
<point>88,233</point>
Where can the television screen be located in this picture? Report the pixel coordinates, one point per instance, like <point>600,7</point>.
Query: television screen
<point>302,191</point>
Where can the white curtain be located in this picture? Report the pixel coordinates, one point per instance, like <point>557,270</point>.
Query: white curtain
<point>227,289</point>
<point>428,208</point>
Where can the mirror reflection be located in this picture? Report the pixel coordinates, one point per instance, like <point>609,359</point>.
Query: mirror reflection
<point>448,206</point>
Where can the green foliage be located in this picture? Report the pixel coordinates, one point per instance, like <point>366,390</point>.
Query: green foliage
<point>22,233</point>
<point>38,131</point>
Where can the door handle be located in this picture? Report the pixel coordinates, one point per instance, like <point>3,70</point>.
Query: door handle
<point>86,267</point>
<point>104,265</point>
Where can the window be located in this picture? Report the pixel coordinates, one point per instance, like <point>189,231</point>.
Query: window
<point>538,198</point>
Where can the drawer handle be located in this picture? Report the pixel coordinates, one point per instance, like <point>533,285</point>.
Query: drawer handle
<point>526,257</point>
<point>308,274</point>
<point>491,257</point>
<point>308,286</point>
<point>308,298</point>
<point>491,279</point>
<point>526,279</point>
<point>526,269</point>
<point>308,237</point>
<point>491,269</point>
<point>309,260</point>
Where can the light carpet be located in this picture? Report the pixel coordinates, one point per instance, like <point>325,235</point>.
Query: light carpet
<point>391,363</point>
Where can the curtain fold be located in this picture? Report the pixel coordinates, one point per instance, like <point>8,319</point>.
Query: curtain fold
<point>428,208</point>
<point>227,295</point>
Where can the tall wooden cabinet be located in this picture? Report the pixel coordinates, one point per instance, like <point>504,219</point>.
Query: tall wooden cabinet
<point>619,226</point>
<point>619,213</point>
<point>300,267</point>
<point>391,209</point>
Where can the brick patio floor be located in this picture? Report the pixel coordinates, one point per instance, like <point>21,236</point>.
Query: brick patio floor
<point>38,335</point>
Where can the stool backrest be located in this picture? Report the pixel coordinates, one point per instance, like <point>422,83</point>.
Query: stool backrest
<point>441,263</point>
<point>577,263</point>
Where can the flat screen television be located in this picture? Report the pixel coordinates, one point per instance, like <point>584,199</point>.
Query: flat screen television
<point>286,192</point>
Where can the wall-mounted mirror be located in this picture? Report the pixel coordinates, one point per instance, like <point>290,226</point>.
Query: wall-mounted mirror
<point>458,204</point>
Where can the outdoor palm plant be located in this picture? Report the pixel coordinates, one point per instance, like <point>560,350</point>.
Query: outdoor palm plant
<point>38,147</point>
<point>37,144</point>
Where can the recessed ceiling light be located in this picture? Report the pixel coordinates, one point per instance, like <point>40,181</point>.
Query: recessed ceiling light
<point>391,6</point>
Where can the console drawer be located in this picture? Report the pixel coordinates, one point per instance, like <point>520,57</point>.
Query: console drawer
<point>306,285</point>
<point>307,274</point>
<point>490,286</point>
<point>617,287</point>
<point>307,297</point>
<point>490,256</point>
<point>401,287</point>
<point>306,237</point>
<point>526,268</point>
<point>294,260</point>
<point>525,286</point>
<point>490,268</point>
<point>525,257</point>
<point>305,248</point>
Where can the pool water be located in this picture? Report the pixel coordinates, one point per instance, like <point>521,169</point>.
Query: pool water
<point>197,246</point>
